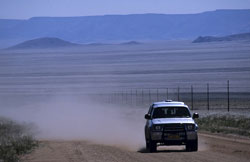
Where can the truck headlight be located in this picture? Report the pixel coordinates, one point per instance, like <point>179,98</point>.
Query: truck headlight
<point>158,127</point>
<point>190,127</point>
<point>156,135</point>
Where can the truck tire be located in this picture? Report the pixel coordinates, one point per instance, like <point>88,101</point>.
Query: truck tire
<point>192,145</point>
<point>147,145</point>
<point>151,146</point>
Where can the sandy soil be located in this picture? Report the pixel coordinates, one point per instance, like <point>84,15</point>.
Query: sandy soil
<point>211,148</point>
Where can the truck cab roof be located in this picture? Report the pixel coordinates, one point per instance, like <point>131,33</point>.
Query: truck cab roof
<point>169,103</point>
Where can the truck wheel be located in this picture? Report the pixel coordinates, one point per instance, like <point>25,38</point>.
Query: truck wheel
<point>192,145</point>
<point>152,147</point>
<point>147,145</point>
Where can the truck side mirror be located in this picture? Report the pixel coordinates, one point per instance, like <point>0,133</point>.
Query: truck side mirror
<point>195,115</point>
<point>147,116</point>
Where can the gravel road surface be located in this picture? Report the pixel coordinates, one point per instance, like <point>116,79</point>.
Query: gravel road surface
<point>211,148</point>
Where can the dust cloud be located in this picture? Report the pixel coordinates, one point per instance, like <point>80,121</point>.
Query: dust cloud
<point>68,118</point>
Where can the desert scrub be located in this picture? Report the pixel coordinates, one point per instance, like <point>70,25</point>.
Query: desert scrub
<point>229,124</point>
<point>15,140</point>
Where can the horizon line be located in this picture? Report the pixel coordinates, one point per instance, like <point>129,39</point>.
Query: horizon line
<point>122,14</point>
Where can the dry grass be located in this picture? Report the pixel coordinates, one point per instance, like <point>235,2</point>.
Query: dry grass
<point>15,140</point>
<point>229,124</point>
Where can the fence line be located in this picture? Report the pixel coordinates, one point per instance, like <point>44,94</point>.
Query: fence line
<point>207,97</point>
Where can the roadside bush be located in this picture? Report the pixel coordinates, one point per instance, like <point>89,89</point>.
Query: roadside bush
<point>15,140</point>
<point>230,124</point>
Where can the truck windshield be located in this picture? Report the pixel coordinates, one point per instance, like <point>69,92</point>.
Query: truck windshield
<point>171,112</point>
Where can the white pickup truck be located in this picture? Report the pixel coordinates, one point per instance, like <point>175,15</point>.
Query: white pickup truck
<point>170,123</point>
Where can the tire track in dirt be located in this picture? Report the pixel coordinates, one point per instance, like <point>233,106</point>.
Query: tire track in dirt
<point>211,148</point>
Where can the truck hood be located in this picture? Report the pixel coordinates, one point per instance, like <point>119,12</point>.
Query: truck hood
<point>172,120</point>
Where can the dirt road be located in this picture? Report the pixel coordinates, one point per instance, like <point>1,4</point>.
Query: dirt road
<point>211,148</point>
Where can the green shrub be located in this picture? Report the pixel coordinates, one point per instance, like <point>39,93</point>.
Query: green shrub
<point>229,124</point>
<point>15,140</point>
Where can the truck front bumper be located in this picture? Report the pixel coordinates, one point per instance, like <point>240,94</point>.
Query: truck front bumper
<point>177,138</point>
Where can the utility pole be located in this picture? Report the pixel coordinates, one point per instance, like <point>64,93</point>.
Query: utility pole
<point>208,106</point>
<point>192,97</point>
<point>228,97</point>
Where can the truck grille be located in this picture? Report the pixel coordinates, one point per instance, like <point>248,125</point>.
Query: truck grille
<point>174,128</point>
<point>174,132</point>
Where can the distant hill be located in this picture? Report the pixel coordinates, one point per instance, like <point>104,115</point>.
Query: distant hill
<point>235,37</point>
<point>96,44</point>
<point>122,28</point>
<point>42,43</point>
<point>131,43</point>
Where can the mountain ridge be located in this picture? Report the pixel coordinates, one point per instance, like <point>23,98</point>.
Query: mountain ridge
<point>43,43</point>
<point>234,37</point>
<point>138,27</point>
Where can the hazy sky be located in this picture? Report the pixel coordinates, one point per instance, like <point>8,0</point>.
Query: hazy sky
<point>23,9</point>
